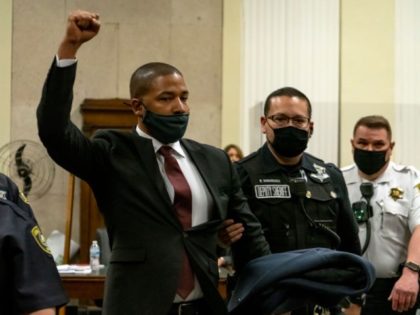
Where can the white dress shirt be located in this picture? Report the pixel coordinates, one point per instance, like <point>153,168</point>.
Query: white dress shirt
<point>202,203</point>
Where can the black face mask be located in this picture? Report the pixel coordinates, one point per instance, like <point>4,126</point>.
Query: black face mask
<point>369,162</point>
<point>166,128</point>
<point>290,141</point>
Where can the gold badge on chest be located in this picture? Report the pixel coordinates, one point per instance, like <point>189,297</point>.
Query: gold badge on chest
<point>396,193</point>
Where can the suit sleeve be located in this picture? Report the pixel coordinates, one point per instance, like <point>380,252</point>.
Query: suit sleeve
<point>65,143</point>
<point>347,227</point>
<point>253,243</point>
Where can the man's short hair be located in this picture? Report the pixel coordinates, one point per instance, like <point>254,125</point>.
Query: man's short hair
<point>142,78</point>
<point>290,92</point>
<point>374,122</point>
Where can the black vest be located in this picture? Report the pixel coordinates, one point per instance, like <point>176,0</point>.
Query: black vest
<point>291,217</point>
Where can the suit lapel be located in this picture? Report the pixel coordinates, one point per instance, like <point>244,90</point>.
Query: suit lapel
<point>147,157</point>
<point>201,162</point>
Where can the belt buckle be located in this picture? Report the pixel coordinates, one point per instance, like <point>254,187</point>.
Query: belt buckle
<point>181,306</point>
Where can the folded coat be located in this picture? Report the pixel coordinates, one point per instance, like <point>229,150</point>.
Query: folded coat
<point>285,281</point>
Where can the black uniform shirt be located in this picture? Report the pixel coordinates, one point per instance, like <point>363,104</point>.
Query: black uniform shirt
<point>299,206</point>
<point>29,280</point>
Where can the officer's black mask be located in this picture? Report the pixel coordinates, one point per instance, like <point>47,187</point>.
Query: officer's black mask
<point>369,162</point>
<point>290,141</point>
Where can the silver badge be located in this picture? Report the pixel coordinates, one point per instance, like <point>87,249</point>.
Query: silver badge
<point>321,173</point>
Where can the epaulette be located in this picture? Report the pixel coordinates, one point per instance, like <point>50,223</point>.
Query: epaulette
<point>248,157</point>
<point>315,158</point>
<point>8,189</point>
<point>332,165</point>
<point>14,208</point>
<point>348,168</point>
<point>405,169</point>
<point>400,168</point>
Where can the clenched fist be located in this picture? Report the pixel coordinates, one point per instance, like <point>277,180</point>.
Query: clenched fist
<point>82,26</point>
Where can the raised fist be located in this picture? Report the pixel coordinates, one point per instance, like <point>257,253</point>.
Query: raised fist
<point>82,26</point>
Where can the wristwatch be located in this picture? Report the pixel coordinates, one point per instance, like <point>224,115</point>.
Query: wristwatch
<point>412,266</point>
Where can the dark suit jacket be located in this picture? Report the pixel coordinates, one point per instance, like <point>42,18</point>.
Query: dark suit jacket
<point>146,237</point>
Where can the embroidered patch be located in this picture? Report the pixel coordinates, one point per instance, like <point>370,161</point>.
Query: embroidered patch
<point>396,193</point>
<point>40,239</point>
<point>272,191</point>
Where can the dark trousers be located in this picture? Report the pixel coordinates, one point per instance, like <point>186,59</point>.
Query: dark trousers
<point>312,309</point>
<point>377,299</point>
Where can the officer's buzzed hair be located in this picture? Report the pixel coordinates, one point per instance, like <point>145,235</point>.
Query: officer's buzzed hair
<point>144,76</point>
<point>290,92</point>
<point>374,122</point>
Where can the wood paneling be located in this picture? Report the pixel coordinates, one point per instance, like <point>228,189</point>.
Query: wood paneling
<point>98,114</point>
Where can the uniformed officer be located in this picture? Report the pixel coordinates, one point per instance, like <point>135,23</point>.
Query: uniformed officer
<point>300,201</point>
<point>29,281</point>
<point>390,229</point>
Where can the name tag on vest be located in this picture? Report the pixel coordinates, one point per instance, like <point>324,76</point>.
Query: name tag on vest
<point>272,191</point>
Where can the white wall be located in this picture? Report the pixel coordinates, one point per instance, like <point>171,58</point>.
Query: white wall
<point>367,65</point>
<point>5,69</point>
<point>292,43</point>
<point>407,82</point>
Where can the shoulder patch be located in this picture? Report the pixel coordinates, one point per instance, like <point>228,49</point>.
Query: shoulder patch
<point>40,239</point>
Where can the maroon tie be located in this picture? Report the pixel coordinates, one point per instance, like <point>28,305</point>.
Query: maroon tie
<point>183,206</point>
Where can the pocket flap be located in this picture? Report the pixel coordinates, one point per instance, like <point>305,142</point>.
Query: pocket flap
<point>396,207</point>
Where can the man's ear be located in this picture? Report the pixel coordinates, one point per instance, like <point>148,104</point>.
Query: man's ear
<point>263,121</point>
<point>137,107</point>
<point>311,128</point>
<point>352,145</point>
<point>392,145</point>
